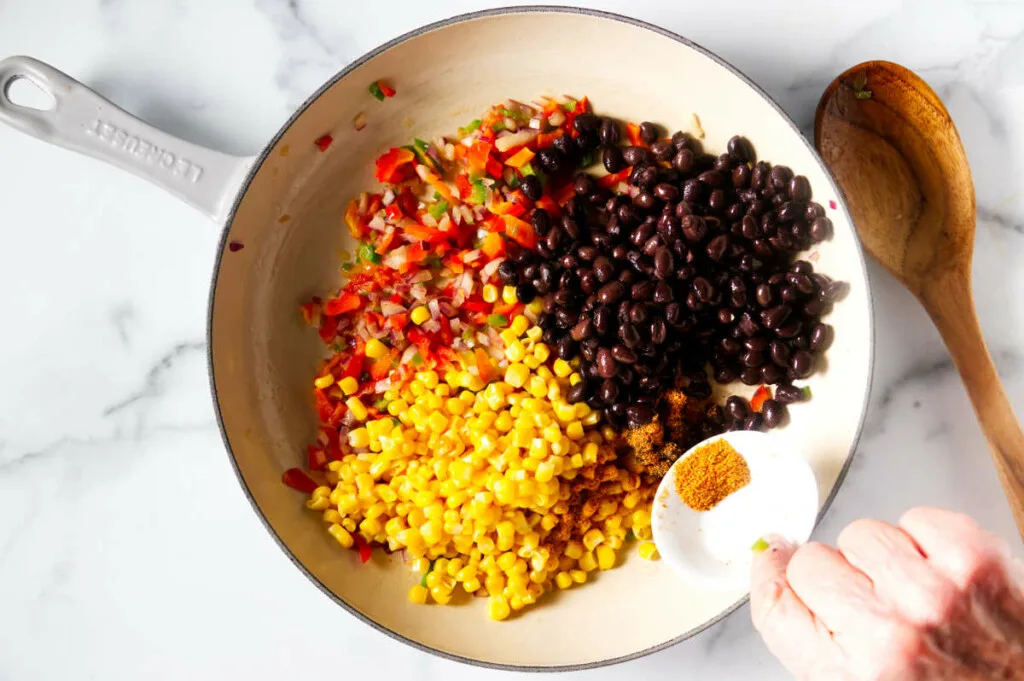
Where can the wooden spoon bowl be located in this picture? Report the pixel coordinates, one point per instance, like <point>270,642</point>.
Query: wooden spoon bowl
<point>895,152</point>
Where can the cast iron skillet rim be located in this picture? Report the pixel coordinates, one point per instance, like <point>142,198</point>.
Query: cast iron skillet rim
<point>527,9</point>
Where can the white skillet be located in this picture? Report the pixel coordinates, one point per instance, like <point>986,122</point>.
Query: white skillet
<point>284,208</point>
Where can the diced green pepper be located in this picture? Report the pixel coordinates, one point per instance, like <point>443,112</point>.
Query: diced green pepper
<point>587,160</point>
<point>513,182</point>
<point>498,127</point>
<point>366,253</point>
<point>438,209</point>
<point>806,390</point>
<point>570,104</point>
<point>479,194</point>
<point>760,546</point>
<point>473,125</point>
<point>498,321</point>
<point>417,360</point>
<point>376,91</point>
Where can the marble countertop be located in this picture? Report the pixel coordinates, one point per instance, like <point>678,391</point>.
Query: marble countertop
<point>126,547</point>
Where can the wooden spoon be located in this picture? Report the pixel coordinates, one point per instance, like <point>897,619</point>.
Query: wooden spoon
<point>896,154</point>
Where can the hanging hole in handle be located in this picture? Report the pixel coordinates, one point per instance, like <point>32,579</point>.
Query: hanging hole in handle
<point>22,91</point>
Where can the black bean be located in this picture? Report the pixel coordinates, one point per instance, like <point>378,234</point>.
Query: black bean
<point>611,157</point>
<point>752,359</point>
<point>627,277</point>
<point>821,229</point>
<point>634,155</point>
<point>648,132</point>
<point>551,160</point>
<point>638,313</point>
<point>639,414</point>
<point>780,177</point>
<point>821,337</point>
<point>663,263</point>
<point>772,373</point>
<point>658,331</point>
<point>583,330</point>
<point>791,330</point>
<point>531,187</point>
<point>608,391</point>
<point>693,190</point>
<point>565,348</point>
<point>611,292</point>
<point>507,273</point>
<point>703,288</point>
<point>629,335</point>
<point>663,150</point>
<point>737,408</point>
<point>603,320</point>
<point>775,317</point>
<point>642,290</point>
<point>525,292</point>
<point>623,355</point>
<point>774,413</point>
<point>605,363</point>
<point>583,184</point>
<point>541,221</point>
<point>694,228</point>
<point>740,149</point>
<point>788,394</point>
<point>717,247</point>
<point>799,189</point>
<point>604,270</point>
<point>712,178</point>
<point>779,352</point>
<point>802,363</point>
<point>751,376</point>
<point>663,293</point>
<point>666,192</point>
<point>645,200</point>
<point>753,422</point>
<point>644,176</point>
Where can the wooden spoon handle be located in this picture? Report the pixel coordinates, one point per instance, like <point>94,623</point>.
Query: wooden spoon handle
<point>952,309</point>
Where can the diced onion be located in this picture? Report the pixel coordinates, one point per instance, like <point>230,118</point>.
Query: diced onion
<point>388,198</point>
<point>377,223</point>
<point>507,141</point>
<point>419,292</point>
<point>421,276</point>
<point>387,308</point>
<point>435,308</point>
<point>557,118</point>
<point>490,268</point>
<point>471,256</point>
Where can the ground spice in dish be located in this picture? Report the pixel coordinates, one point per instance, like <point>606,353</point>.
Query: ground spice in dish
<point>710,474</point>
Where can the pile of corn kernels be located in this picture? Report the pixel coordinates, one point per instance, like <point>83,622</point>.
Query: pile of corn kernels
<point>472,480</point>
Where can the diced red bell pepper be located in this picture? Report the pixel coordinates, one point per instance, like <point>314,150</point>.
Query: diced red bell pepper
<point>566,192</point>
<point>323,142</point>
<point>385,241</point>
<point>478,156</point>
<point>324,408</point>
<point>546,139</point>
<point>297,479</point>
<point>328,328</point>
<point>521,231</point>
<point>398,321</point>
<point>365,550</point>
<point>355,224</point>
<point>611,180</point>
<point>386,89</point>
<point>633,133</point>
<point>407,201</point>
<point>446,333</point>
<point>346,303</point>
<point>337,416</point>
<point>422,232</point>
<point>354,368</point>
<point>476,306</point>
<point>761,395</point>
<point>395,165</point>
<point>463,185</point>
<point>484,365</point>
<point>394,212</point>
<point>493,245</point>
<point>494,168</point>
<point>317,458</point>
<point>549,206</point>
<point>382,367</point>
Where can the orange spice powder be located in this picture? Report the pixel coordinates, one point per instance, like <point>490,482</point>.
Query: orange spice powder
<point>710,474</point>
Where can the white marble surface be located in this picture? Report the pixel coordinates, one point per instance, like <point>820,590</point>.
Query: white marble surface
<point>127,550</point>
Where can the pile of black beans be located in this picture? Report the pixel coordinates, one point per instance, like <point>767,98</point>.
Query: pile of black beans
<point>693,268</point>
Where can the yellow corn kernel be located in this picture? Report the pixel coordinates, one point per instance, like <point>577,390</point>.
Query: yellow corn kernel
<point>545,470</point>
<point>515,352</point>
<point>575,378</point>
<point>590,452</point>
<point>419,315</point>
<point>573,549</point>
<point>348,385</point>
<point>605,557</point>
<point>441,595</point>
<point>542,352</point>
<point>642,533</point>
<point>324,382</point>
<point>574,430</point>
<point>538,387</point>
<point>504,422</point>
<point>506,536</point>
<point>359,437</point>
<point>332,516</point>
<point>507,561</point>
<point>548,522</point>
<point>516,375</point>
<point>563,580</point>
<point>418,594</point>
<point>318,503</point>
<point>537,306</point>
<point>341,534</point>
<point>471,585</point>
<point>420,565</point>
<point>648,551</point>
<point>497,607</point>
<point>641,518</point>
<point>437,422</point>
<point>508,294</point>
<point>592,538</point>
<point>579,576</point>
<point>495,583</point>
<point>561,368</point>
<point>375,349</point>
<point>519,325</point>
<point>591,419</point>
<point>357,408</point>
<point>588,562</point>
<point>490,293</point>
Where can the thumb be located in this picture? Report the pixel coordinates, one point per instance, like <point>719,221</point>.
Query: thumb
<point>769,588</point>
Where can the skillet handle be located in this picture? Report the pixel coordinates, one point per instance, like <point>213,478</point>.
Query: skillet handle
<point>85,122</point>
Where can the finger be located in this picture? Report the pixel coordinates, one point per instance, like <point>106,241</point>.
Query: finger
<point>842,597</point>
<point>955,544</point>
<point>899,573</point>
<point>790,630</point>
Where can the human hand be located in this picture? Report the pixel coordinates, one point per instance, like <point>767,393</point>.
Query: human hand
<point>936,598</point>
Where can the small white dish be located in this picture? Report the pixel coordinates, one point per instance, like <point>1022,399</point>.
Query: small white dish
<point>713,548</point>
